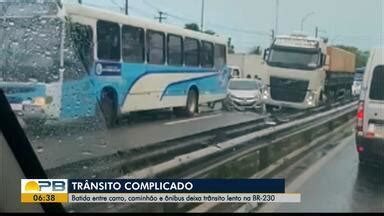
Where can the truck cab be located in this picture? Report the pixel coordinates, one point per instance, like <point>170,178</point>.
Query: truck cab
<point>295,72</point>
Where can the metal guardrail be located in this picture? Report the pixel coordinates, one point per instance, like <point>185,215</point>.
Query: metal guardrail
<point>185,159</point>
<point>240,157</point>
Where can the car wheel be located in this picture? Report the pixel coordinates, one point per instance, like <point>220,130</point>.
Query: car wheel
<point>211,105</point>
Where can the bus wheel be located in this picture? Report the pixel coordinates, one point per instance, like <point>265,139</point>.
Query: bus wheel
<point>192,103</point>
<point>108,108</point>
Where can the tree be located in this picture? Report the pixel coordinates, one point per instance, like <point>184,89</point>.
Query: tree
<point>192,26</point>
<point>195,27</point>
<point>210,32</point>
<point>231,48</point>
<point>361,56</point>
<point>256,51</point>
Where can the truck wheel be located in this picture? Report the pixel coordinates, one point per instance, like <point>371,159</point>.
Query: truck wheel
<point>263,109</point>
<point>322,98</point>
<point>108,108</point>
<point>330,97</point>
<point>270,108</point>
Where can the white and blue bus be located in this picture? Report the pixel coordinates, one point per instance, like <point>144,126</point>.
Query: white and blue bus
<point>71,58</point>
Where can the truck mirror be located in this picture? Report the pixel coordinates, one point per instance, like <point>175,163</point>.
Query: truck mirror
<point>327,59</point>
<point>266,52</point>
<point>323,59</point>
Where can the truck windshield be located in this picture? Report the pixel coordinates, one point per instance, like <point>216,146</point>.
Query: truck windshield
<point>243,85</point>
<point>30,44</point>
<point>293,59</point>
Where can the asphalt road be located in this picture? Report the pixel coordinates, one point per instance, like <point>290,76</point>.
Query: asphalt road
<point>337,183</point>
<point>54,151</point>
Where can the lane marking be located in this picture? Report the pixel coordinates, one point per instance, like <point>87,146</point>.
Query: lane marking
<point>192,119</point>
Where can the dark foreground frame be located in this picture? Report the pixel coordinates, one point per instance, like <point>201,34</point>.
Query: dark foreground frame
<point>22,149</point>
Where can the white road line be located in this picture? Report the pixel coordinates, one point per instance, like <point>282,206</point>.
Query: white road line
<point>192,119</point>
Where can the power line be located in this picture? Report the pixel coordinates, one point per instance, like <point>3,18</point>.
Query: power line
<point>237,30</point>
<point>140,11</point>
<point>151,5</point>
<point>259,33</point>
<point>119,6</point>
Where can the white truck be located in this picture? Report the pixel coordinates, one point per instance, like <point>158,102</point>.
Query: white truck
<point>246,65</point>
<point>303,72</point>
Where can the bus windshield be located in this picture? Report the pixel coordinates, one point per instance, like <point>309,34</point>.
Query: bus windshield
<point>30,47</point>
<point>293,59</point>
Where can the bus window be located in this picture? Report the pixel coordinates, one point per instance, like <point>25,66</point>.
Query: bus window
<point>155,42</point>
<point>220,56</point>
<point>77,55</point>
<point>82,37</point>
<point>108,41</point>
<point>27,56</point>
<point>133,44</point>
<point>206,54</point>
<point>191,52</point>
<point>175,50</point>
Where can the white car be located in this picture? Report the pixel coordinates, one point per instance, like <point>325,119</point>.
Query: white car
<point>358,81</point>
<point>244,94</point>
<point>370,116</point>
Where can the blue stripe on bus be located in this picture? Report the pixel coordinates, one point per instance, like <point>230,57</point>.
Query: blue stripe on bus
<point>185,81</point>
<point>165,71</point>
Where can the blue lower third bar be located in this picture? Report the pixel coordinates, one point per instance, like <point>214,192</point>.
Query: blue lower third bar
<point>176,186</point>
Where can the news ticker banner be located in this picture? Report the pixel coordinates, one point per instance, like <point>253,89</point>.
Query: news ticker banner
<point>156,191</point>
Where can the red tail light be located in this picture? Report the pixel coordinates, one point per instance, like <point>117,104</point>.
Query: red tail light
<point>360,149</point>
<point>360,117</point>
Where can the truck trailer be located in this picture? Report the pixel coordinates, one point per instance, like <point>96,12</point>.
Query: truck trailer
<point>303,72</point>
<point>248,65</point>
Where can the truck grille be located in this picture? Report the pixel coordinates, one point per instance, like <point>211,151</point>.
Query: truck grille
<point>289,90</point>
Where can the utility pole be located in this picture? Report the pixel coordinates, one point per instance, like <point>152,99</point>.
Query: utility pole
<point>273,34</point>
<point>161,16</point>
<point>317,32</point>
<point>126,7</point>
<point>202,15</point>
<point>277,16</point>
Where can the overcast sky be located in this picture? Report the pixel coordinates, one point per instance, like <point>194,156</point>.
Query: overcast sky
<point>249,22</point>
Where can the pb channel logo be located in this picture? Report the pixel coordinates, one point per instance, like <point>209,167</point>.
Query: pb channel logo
<point>44,190</point>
